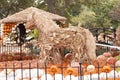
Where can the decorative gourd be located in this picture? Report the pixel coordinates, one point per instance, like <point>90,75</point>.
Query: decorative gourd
<point>53,69</point>
<point>106,68</point>
<point>70,70</point>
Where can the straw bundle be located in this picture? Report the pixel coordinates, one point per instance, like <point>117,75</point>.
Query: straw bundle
<point>117,41</point>
<point>53,40</point>
<point>43,23</point>
<point>78,40</point>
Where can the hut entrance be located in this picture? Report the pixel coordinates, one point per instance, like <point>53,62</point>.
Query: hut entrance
<point>21,34</point>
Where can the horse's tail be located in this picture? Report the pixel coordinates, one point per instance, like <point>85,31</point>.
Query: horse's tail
<point>90,45</point>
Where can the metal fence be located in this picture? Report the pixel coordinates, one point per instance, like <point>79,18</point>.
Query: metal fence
<point>22,66</point>
<point>108,39</point>
<point>108,35</point>
<point>18,71</point>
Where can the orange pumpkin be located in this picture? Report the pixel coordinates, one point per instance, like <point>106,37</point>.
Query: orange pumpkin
<point>53,69</point>
<point>106,69</point>
<point>70,70</point>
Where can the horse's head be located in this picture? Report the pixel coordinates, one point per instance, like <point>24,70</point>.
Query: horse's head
<point>41,22</point>
<point>30,24</point>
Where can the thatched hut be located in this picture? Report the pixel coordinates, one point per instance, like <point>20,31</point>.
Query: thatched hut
<point>24,14</point>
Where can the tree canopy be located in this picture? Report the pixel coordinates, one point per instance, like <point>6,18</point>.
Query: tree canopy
<point>88,13</point>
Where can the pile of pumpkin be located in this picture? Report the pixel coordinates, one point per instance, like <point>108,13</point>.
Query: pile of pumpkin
<point>7,28</point>
<point>106,67</point>
<point>16,57</point>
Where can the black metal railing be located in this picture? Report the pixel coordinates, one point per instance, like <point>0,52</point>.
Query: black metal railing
<point>20,66</point>
<point>36,72</point>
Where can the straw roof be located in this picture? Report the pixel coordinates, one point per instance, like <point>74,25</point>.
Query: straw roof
<point>24,14</point>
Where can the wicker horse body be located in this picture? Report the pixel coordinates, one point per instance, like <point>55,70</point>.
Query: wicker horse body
<point>52,38</point>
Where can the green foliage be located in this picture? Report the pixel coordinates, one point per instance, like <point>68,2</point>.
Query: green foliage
<point>36,33</point>
<point>95,13</point>
<point>85,17</point>
<point>89,13</point>
<point>118,58</point>
<point>25,3</point>
<point>8,7</point>
<point>73,8</point>
<point>118,69</point>
<point>67,8</point>
<point>101,10</point>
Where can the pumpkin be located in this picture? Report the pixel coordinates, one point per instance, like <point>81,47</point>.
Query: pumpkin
<point>53,69</point>
<point>90,68</point>
<point>106,69</point>
<point>70,70</point>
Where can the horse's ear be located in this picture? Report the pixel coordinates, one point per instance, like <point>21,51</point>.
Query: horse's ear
<point>29,25</point>
<point>29,17</point>
<point>30,21</point>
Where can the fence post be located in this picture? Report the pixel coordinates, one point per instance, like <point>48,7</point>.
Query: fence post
<point>45,71</point>
<point>81,71</point>
<point>97,34</point>
<point>6,70</point>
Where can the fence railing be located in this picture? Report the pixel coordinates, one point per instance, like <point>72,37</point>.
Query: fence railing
<point>32,70</point>
<point>23,66</point>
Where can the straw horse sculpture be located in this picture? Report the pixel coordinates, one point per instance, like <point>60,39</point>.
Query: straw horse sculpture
<point>52,39</point>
